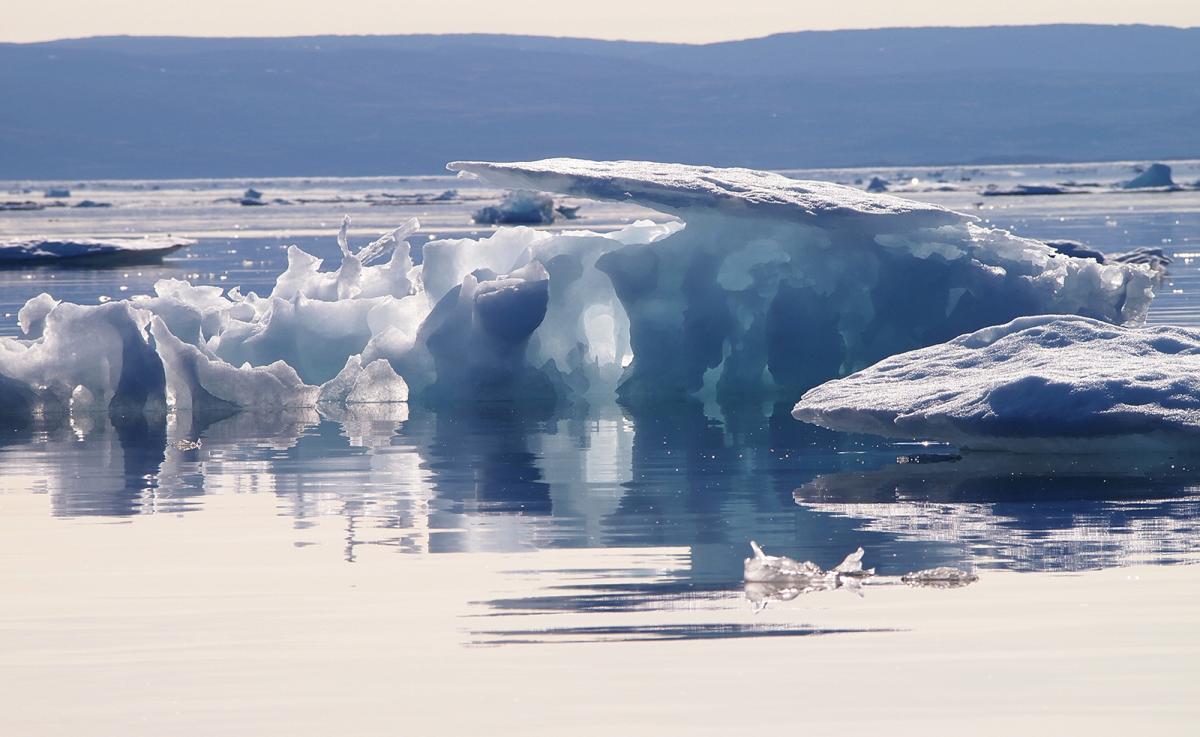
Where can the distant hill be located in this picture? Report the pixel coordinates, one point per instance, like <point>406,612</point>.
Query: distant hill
<point>156,107</point>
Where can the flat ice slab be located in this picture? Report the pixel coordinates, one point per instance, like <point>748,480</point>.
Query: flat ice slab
<point>36,250</point>
<point>1036,384</point>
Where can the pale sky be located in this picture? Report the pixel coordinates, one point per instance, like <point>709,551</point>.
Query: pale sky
<point>651,20</point>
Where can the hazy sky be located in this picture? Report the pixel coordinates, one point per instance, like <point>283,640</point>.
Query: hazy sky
<point>661,20</point>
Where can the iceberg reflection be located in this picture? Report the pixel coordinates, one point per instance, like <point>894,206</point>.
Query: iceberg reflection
<point>1025,512</point>
<point>505,477</point>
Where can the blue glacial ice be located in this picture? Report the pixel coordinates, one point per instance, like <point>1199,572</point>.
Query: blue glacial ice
<point>1036,384</point>
<point>777,284</point>
<point>759,285</point>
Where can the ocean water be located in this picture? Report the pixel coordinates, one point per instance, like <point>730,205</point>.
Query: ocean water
<point>502,478</point>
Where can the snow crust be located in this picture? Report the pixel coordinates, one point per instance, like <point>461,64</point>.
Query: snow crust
<point>774,286</point>
<point>1035,384</point>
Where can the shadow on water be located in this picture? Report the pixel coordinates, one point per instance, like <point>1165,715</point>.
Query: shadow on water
<point>636,633</point>
<point>502,477</point>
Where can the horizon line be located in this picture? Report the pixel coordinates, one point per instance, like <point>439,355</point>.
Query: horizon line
<point>468,34</point>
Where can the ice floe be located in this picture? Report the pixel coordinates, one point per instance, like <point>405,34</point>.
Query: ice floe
<point>123,250</point>
<point>1035,384</point>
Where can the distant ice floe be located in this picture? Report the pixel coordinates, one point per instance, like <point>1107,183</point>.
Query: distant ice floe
<point>1035,384</point>
<point>122,250</point>
<point>774,286</point>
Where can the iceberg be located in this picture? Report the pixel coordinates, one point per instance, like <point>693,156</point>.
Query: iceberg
<point>89,250</point>
<point>757,285</point>
<point>1154,176</point>
<point>877,185</point>
<point>776,284</point>
<point>1035,384</point>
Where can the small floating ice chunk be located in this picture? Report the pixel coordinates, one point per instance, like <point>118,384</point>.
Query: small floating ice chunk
<point>518,207</point>
<point>943,577</point>
<point>251,198</point>
<point>763,568</point>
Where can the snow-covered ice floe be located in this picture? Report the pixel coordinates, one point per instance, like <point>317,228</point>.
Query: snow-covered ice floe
<point>1036,384</point>
<point>78,250</point>
<point>768,284</point>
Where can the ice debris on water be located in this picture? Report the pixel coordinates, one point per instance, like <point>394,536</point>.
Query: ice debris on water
<point>779,578</point>
<point>943,577</point>
<point>763,568</point>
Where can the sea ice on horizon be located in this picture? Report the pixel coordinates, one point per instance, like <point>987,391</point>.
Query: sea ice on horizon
<point>1037,384</point>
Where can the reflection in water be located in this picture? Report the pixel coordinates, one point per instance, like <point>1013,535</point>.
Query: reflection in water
<point>1026,512</point>
<point>500,477</point>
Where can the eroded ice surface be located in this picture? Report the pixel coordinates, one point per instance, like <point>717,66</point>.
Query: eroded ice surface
<point>1037,384</point>
<point>774,285</point>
